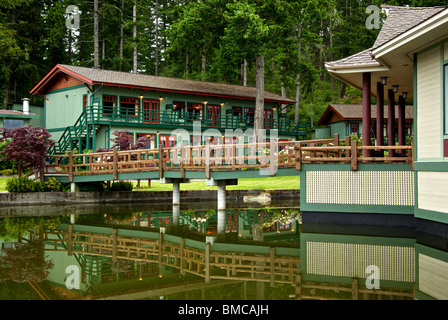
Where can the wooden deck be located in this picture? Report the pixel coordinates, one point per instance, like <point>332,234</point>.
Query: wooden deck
<point>208,158</point>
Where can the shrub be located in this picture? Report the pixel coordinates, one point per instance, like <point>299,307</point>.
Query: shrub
<point>52,185</point>
<point>23,184</point>
<point>121,186</point>
<point>6,172</point>
<point>92,186</point>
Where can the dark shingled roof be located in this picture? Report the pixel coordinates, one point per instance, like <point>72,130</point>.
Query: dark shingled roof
<point>171,84</point>
<point>398,21</point>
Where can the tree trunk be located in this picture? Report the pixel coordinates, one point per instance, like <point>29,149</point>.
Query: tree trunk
<point>156,67</point>
<point>245,73</point>
<point>103,49</point>
<point>121,34</point>
<point>203,67</point>
<point>297,107</point>
<point>299,49</point>
<point>134,35</point>
<point>259,103</point>
<point>331,50</point>
<point>284,111</point>
<point>96,62</point>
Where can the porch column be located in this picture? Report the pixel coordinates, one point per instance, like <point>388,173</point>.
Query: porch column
<point>380,115</point>
<point>401,123</point>
<point>366,112</point>
<point>176,203</point>
<point>391,120</point>
<point>176,196</point>
<point>221,195</point>
<point>221,208</point>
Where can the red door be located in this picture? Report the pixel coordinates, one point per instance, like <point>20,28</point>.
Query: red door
<point>214,115</point>
<point>268,119</point>
<point>150,111</point>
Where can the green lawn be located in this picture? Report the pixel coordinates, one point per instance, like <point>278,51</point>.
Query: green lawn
<point>3,184</point>
<point>255,183</point>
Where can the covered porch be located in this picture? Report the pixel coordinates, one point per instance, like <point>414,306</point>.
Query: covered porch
<point>393,90</point>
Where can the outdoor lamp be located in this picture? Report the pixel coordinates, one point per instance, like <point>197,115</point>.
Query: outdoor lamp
<point>405,95</point>
<point>395,87</point>
<point>384,80</point>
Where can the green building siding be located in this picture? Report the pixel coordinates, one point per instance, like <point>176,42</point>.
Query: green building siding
<point>64,107</point>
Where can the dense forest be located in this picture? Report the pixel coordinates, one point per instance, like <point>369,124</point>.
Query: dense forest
<point>287,41</point>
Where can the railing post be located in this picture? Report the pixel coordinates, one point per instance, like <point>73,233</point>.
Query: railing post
<point>354,155</point>
<point>182,157</point>
<point>70,166</point>
<point>207,160</point>
<point>348,142</point>
<point>115,164</point>
<point>298,155</point>
<point>336,140</point>
<point>160,160</point>
<point>233,156</point>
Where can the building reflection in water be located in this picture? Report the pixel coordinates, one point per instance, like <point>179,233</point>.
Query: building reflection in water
<point>265,253</point>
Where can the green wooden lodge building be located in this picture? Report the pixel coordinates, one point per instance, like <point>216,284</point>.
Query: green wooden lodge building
<point>84,106</point>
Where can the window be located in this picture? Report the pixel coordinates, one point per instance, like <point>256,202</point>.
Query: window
<point>232,221</point>
<point>195,140</point>
<point>354,128</point>
<point>268,119</point>
<point>167,140</point>
<point>109,104</point>
<point>150,140</point>
<point>179,107</point>
<point>128,106</point>
<point>150,111</point>
<point>238,113</point>
<point>214,115</point>
<point>284,226</point>
<point>249,115</point>
<point>194,111</point>
<point>84,101</point>
<point>12,123</point>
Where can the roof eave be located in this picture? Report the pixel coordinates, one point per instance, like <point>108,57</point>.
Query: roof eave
<point>208,94</point>
<point>39,88</point>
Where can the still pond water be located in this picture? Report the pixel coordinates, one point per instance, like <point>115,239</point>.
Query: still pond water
<point>134,252</point>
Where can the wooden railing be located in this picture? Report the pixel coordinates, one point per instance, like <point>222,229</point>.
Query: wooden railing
<point>228,157</point>
<point>230,265</point>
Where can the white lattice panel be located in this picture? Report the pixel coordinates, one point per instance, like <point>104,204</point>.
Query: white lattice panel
<point>351,260</point>
<point>389,188</point>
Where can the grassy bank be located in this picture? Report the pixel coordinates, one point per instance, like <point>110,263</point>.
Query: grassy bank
<point>243,184</point>
<point>3,184</point>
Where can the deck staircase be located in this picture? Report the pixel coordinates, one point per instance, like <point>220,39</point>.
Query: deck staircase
<point>73,136</point>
